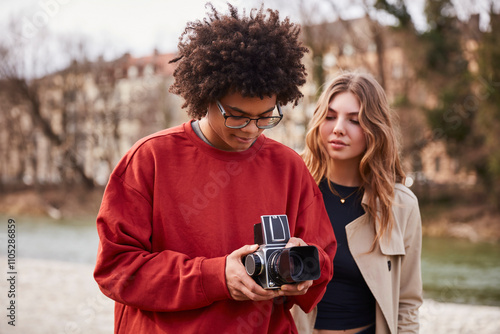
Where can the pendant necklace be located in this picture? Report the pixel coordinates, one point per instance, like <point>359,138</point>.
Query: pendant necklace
<point>342,199</point>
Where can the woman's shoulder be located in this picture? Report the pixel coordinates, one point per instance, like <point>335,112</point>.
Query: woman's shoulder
<point>405,203</point>
<point>403,195</point>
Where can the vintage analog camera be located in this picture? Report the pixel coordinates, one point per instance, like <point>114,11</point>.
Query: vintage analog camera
<point>273,265</point>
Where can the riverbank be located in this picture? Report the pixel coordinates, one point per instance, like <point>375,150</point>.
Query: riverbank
<point>62,297</point>
<point>56,293</point>
<point>463,219</point>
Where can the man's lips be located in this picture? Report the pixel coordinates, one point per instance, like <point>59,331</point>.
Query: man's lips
<point>244,139</point>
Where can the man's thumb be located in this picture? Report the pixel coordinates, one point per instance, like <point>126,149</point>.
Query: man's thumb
<point>247,249</point>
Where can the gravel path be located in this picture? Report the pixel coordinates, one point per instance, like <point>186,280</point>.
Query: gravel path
<point>57,297</point>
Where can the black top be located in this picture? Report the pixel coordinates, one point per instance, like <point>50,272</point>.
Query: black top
<point>348,302</point>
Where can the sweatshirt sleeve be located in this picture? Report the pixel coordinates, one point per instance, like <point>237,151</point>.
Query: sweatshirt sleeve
<point>129,272</point>
<point>314,227</point>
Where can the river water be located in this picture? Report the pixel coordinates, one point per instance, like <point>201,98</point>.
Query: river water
<point>461,271</point>
<point>56,293</point>
<point>453,270</point>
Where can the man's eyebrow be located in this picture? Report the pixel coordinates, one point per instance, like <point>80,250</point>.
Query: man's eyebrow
<point>244,112</point>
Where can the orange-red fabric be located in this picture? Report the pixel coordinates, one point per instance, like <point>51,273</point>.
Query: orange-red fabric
<point>175,207</point>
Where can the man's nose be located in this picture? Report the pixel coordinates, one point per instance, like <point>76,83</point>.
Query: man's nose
<point>251,127</point>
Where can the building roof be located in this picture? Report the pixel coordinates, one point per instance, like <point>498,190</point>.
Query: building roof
<point>160,63</point>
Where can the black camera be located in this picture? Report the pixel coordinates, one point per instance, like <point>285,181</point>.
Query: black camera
<point>273,265</point>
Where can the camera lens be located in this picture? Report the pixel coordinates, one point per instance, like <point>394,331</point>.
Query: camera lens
<point>296,265</point>
<point>283,265</point>
<point>253,264</point>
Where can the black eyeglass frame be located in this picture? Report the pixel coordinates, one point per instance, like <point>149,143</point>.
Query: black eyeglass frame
<point>249,119</point>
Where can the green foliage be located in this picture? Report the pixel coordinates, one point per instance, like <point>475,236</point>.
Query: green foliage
<point>444,53</point>
<point>400,101</point>
<point>489,93</point>
<point>443,41</point>
<point>453,117</point>
<point>446,75</point>
<point>398,10</point>
<point>467,113</point>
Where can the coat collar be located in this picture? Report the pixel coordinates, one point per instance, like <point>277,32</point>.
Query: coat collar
<point>388,246</point>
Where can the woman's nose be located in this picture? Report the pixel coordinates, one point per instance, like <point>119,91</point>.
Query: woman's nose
<point>339,128</point>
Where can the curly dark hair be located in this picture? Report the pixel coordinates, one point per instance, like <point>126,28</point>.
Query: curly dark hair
<point>256,55</point>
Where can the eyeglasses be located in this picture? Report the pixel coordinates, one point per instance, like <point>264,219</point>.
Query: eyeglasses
<point>238,122</point>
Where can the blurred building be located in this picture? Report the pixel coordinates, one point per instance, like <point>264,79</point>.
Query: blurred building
<point>366,46</point>
<point>91,113</point>
<point>88,115</point>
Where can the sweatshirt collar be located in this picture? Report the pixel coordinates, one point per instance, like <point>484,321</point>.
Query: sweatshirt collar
<point>221,154</point>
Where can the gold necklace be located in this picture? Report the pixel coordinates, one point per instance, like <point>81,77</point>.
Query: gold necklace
<point>342,200</point>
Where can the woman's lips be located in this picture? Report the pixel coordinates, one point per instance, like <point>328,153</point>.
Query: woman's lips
<point>338,144</point>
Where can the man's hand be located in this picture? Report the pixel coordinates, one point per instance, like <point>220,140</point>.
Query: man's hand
<point>294,242</point>
<point>297,288</point>
<point>240,285</point>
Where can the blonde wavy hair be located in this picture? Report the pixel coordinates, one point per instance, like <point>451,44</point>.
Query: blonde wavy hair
<point>380,167</point>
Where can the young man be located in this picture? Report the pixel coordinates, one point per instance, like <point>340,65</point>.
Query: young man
<point>178,212</point>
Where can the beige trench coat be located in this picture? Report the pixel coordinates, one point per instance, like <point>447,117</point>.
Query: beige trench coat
<point>392,270</point>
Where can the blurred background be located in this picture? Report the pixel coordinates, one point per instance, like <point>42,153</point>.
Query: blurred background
<point>81,81</point>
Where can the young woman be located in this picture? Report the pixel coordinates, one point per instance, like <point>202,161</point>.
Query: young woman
<point>352,153</point>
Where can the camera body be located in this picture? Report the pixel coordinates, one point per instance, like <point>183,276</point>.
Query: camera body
<point>273,265</point>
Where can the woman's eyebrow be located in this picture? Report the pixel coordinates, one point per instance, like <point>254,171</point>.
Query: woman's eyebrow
<point>351,113</point>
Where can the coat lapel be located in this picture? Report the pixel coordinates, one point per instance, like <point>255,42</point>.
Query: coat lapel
<point>376,266</point>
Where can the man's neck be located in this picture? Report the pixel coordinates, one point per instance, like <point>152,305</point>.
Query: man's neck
<point>197,129</point>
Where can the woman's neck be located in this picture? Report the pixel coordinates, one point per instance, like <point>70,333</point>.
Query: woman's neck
<point>345,174</point>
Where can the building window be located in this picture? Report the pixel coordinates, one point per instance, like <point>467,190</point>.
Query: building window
<point>148,70</point>
<point>397,70</point>
<point>437,164</point>
<point>348,50</point>
<point>132,72</point>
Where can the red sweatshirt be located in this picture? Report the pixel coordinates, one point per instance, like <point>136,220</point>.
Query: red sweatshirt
<point>175,207</point>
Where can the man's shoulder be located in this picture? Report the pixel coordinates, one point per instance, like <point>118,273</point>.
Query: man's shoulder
<point>281,149</point>
<point>159,140</point>
<point>162,134</point>
<point>146,147</point>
